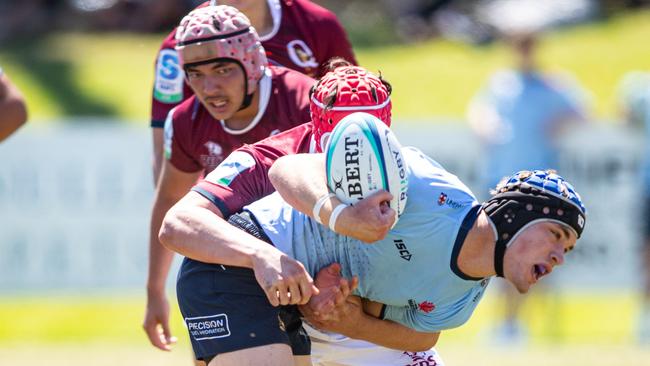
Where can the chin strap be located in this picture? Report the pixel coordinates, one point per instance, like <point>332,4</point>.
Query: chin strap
<point>248,98</point>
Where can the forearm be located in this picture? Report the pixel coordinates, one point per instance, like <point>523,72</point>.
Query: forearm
<point>160,258</point>
<point>157,140</point>
<point>391,335</point>
<point>301,189</point>
<point>198,233</point>
<point>366,220</point>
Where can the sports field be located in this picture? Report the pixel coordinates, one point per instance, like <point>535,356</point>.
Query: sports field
<point>578,329</point>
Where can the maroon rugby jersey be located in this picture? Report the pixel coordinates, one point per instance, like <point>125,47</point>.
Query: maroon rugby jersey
<point>243,177</point>
<point>196,141</point>
<point>304,37</point>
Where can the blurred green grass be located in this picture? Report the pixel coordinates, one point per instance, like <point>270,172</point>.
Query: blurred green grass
<point>551,317</point>
<point>577,329</point>
<point>111,74</point>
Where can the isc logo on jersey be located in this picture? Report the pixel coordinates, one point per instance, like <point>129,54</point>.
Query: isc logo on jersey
<point>363,156</point>
<point>168,87</point>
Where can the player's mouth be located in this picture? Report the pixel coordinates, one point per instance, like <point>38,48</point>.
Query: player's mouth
<point>219,104</point>
<point>540,270</point>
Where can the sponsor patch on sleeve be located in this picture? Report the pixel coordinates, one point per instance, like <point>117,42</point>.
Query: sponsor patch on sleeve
<point>230,168</point>
<point>168,86</point>
<point>208,327</point>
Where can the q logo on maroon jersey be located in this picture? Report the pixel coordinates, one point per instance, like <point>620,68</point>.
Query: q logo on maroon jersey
<point>301,54</point>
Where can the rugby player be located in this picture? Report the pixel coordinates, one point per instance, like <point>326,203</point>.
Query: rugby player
<point>456,245</point>
<point>242,178</point>
<point>239,99</point>
<point>296,34</point>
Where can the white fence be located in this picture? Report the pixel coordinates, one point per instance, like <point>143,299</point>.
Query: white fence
<point>75,200</point>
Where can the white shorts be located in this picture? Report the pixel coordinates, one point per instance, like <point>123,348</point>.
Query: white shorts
<point>329,349</point>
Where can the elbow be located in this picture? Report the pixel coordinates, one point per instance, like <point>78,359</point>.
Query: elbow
<point>273,174</point>
<point>168,233</point>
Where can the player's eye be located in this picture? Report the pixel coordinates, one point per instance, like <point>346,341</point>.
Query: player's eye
<point>193,75</point>
<point>224,70</point>
<point>557,234</point>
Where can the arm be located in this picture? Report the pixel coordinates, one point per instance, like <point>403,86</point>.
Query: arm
<point>172,186</point>
<point>194,228</point>
<point>12,106</point>
<point>368,220</point>
<point>157,139</point>
<point>359,318</point>
<point>169,90</point>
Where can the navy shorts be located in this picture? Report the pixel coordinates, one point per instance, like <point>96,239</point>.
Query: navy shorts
<point>225,310</point>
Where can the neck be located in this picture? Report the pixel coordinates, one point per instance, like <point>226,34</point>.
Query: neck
<point>476,258</point>
<point>260,16</point>
<point>241,119</point>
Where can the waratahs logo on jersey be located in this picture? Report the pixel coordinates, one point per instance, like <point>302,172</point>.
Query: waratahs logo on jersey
<point>168,87</point>
<point>442,199</point>
<point>424,306</point>
<point>230,168</point>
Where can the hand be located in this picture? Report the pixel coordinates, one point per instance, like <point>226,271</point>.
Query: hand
<point>343,319</point>
<point>329,304</point>
<point>156,321</point>
<point>368,220</point>
<point>284,280</point>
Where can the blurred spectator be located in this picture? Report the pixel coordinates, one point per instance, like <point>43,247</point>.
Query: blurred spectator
<point>519,115</point>
<point>13,111</point>
<point>634,93</point>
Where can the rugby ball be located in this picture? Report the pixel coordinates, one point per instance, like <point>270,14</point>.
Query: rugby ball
<point>363,156</point>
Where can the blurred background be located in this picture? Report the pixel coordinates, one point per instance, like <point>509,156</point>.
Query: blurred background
<point>76,186</point>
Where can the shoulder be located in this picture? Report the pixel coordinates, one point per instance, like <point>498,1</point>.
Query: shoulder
<point>292,141</point>
<point>186,111</point>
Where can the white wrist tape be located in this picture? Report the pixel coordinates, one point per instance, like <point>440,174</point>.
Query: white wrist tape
<point>319,204</point>
<point>335,215</point>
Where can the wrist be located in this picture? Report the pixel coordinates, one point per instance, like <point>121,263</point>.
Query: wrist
<point>155,290</point>
<point>316,210</point>
<point>336,212</point>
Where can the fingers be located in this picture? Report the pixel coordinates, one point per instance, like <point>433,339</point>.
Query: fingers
<point>333,269</point>
<point>166,332</point>
<point>354,283</point>
<point>380,196</point>
<point>272,294</point>
<point>156,336</point>
<point>292,292</point>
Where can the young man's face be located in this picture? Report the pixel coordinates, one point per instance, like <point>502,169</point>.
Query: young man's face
<point>220,86</point>
<point>535,252</point>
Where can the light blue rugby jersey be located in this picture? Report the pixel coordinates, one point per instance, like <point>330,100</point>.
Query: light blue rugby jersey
<point>411,269</point>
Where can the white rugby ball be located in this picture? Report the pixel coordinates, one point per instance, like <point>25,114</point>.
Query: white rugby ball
<point>363,156</point>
